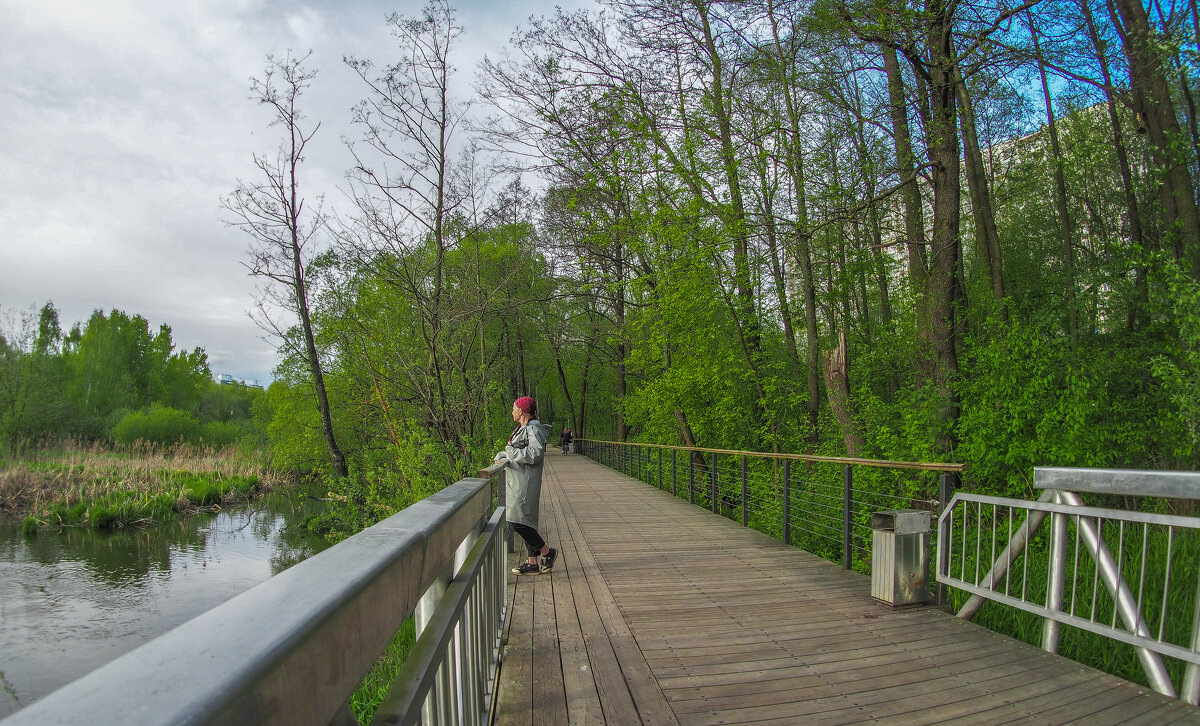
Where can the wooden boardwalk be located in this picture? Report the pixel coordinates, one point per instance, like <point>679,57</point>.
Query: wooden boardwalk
<point>659,612</point>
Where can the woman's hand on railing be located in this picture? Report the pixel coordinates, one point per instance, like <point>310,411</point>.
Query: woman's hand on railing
<point>500,462</point>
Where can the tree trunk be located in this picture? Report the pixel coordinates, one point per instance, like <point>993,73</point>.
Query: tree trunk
<point>1139,308</point>
<point>943,158</point>
<point>837,388</point>
<point>802,235</point>
<point>1153,104</point>
<point>987,238</point>
<point>1065,229</point>
<point>914,217</point>
<point>583,390</point>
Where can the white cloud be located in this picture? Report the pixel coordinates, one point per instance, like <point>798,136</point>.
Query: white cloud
<point>126,120</point>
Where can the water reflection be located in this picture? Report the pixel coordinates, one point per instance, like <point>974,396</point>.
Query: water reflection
<point>72,601</point>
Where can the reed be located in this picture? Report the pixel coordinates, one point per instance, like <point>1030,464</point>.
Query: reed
<point>89,484</point>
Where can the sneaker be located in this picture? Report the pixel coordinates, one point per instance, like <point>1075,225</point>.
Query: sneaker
<point>527,568</point>
<point>548,559</point>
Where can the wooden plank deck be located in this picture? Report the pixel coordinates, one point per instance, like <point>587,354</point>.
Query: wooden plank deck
<point>659,612</point>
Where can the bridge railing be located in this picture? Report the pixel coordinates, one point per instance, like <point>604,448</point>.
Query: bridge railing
<point>810,501</point>
<point>292,649</point>
<point>1129,576</point>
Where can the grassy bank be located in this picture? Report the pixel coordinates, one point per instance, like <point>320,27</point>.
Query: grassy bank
<point>103,486</point>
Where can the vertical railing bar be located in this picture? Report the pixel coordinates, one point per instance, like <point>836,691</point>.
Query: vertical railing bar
<point>1142,576</point>
<point>1189,690</point>
<point>1025,562</point>
<point>1075,568</point>
<point>1008,570</point>
<point>674,472</point>
<point>847,515</point>
<point>1096,568</point>
<point>745,464</point>
<point>477,655</point>
<point>1120,567</point>
<point>949,561</point>
<point>978,537</point>
<point>691,477</point>
<point>660,477</point>
<point>787,501</point>
<point>962,565</point>
<point>992,585</point>
<point>1162,618</point>
<point>715,484</point>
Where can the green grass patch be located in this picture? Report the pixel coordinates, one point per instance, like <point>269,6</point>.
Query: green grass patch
<point>182,493</point>
<point>370,693</point>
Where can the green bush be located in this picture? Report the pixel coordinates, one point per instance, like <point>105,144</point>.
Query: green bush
<point>220,433</point>
<point>159,425</point>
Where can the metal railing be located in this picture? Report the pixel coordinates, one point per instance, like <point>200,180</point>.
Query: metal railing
<point>796,497</point>
<point>292,649</point>
<point>1129,596</point>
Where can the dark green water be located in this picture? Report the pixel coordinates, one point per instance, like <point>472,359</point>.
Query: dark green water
<point>71,601</point>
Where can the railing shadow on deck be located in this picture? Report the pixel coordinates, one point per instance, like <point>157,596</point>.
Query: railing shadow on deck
<point>292,649</point>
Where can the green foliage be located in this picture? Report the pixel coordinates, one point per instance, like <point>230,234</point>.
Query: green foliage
<point>87,382</point>
<point>1179,371</point>
<point>159,425</point>
<point>1028,400</point>
<point>370,693</point>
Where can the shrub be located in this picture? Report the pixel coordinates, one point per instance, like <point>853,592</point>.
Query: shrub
<point>160,425</point>
<point>220,433</point>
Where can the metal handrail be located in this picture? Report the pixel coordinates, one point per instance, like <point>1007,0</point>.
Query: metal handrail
<point>292,649</point>
<point>882,463</point>
<point>968,560</point>
<point>459,648</point>
<point>773,495</point>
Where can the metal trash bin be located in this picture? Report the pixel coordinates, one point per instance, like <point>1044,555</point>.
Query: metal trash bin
<point>900,556</point>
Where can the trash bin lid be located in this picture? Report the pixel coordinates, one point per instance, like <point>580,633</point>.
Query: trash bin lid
<point>901,521</point>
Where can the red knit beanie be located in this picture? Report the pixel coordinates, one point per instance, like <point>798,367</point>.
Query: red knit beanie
<point>526,404</point>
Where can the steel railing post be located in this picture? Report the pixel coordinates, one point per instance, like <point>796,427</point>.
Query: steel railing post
<point>502,483</point>
<point>713,496</point>
<point>787,501</point>
<point>1189,688</point>
<point>1055,578</point>
<point>847,516</point>
<point>946,485</point>
<point>745,487</point>
<point>660,481</point>
<point>431,711</point>
<point>674,472</point>
<point>691,477</point>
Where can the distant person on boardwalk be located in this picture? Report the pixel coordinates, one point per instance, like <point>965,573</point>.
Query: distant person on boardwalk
<point>566,439</point>
<point>525,451</point>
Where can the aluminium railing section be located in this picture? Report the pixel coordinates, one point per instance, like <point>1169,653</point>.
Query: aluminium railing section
<point>777,492</point>
<point>292,649</point>
<point>1126,572</point>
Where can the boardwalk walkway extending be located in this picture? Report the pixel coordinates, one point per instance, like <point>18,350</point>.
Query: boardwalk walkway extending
<point>659,612</point>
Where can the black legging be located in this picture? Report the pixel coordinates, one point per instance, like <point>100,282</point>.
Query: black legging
<point>533,541</point>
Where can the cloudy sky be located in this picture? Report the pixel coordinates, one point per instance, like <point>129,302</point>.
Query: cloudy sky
<point>125,121</point>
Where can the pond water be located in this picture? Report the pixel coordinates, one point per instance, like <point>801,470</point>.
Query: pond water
<point>73,600</point>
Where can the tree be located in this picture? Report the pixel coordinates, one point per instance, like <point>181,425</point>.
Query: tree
<point>271,210</point>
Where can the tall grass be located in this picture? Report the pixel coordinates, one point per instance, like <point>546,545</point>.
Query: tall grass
<point>370,693</point>
<point>83,483</point>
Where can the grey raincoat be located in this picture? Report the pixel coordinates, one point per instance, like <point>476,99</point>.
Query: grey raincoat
<point>526,452</point>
